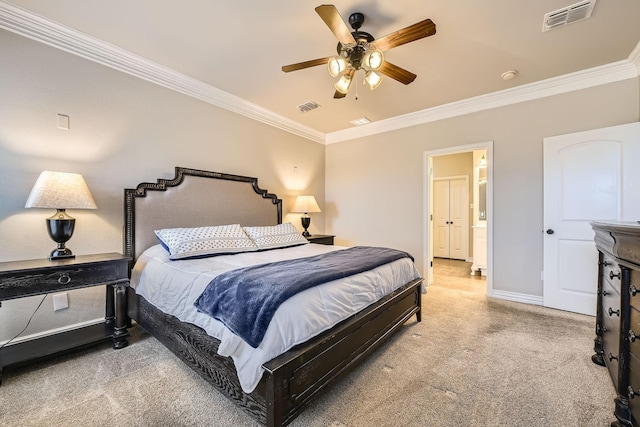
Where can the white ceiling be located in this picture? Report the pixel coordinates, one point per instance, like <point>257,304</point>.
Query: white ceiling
<point>239,47</point>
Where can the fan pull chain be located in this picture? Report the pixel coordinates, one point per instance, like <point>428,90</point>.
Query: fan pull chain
<point>356,77</point>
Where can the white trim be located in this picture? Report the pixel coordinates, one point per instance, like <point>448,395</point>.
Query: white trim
<point>634,57</point>
<point>28,24</point>
<point>54,331</point>
<point>610,73</point>
<point>516,297</point>
<point>427,160</point>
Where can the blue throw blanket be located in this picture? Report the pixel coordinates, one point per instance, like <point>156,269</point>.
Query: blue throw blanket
<point>246,299</point>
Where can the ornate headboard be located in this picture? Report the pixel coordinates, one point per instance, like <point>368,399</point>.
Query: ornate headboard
<point>194,198</point>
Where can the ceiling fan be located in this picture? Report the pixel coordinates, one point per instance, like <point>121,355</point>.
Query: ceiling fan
<point>359,50</point>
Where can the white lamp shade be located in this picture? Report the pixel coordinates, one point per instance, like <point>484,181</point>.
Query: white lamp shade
<point>305,204</point>
<point>60,190</point>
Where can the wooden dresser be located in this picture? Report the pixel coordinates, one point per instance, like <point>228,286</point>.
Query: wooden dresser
<point>617,342</point>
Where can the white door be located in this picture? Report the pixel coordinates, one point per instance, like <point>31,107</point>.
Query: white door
<point>441,218</point>
<point>587,176</point>
<point>451,218</point>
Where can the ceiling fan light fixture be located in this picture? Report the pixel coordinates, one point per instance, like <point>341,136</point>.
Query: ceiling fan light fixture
<point>373,79</point>
<point>336,65</point>
<point>343,84</point>
<point>373,59</point>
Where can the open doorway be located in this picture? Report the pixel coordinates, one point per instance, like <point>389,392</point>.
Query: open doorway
<point>447,260</point>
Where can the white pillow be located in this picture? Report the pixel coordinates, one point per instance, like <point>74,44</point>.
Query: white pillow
<point>204,241</point>
<point>275,236</point>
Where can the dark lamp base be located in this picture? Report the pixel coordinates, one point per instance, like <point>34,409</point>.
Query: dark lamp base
<point>63,253</point>
<point>306,222</point>
<point>60,227</point>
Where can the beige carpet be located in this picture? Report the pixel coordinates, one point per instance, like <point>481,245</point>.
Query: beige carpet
<point>472,361</point>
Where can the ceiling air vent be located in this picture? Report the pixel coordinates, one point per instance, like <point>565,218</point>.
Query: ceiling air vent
<point>308,106</point>
<point>568,15</point>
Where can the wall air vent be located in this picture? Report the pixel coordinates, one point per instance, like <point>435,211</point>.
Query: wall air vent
<point>308,106</point>
<point>568,15</point>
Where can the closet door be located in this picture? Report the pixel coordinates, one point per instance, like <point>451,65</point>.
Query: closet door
<point>451,218</point>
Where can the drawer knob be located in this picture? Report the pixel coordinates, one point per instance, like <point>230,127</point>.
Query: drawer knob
<point>632,336</point>
<point>630,392</point>
<point>604,293</point>
<point>612,357</point>
<point>606,263</point>
<point>612,311</point>
<point>611,275</point>
<point>64,278</point>
<point>600,330</point>
<point>633,291</point>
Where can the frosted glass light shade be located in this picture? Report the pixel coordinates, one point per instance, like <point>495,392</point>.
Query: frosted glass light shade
<point>60,190</point>
<point>336,66</point>
<point>373,59</point>
<point>343,84</point>
<point>306,204</point>
<point>373,79</point>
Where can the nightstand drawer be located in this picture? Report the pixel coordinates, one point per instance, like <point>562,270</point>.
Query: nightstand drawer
<point>58,276</point>
<point>320,239</point>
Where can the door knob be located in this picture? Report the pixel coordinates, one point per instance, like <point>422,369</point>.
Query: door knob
<point>550,231</point>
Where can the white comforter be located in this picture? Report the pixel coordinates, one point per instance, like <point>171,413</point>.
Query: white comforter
<point>173,286</point>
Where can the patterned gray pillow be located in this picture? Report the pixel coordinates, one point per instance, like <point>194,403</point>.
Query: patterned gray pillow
<point>204,241</point>
<point>275,236</point>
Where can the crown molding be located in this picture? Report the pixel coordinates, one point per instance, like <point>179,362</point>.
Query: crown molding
<point>610,73</point>
<point>28,24</point>
<point>634,58</point>
<point>33,26</point>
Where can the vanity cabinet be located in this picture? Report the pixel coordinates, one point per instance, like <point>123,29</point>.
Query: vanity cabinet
<point>617,342</point>
<point>479,249</point>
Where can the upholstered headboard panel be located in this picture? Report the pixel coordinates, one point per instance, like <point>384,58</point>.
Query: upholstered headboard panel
<point>194,198</point>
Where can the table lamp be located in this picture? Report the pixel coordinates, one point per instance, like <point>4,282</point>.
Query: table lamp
<point>304,205</point>
<point>60,191</point>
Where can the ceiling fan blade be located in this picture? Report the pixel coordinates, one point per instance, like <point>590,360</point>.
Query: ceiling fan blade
<point>305,64</point>
<point>411,33</point>
<point>339,95</point>
<point>397,73</point>
<point>336,24</point>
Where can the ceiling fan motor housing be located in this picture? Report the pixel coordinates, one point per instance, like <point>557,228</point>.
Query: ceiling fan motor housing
<point>356,52</point>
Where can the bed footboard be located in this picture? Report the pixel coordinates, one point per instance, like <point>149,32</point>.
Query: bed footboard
<point>294,378</point>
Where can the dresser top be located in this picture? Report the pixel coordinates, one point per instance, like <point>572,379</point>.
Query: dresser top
<point>627,227</point>
<point>620,239</point>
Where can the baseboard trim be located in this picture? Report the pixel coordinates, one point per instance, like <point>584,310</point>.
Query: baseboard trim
<point>516,297</point>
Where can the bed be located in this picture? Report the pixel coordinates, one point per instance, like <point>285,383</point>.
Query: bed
<point>288,381</point>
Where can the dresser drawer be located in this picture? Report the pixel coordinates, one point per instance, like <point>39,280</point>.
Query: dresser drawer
<point>610,301</point>
<point>611,274</point>
<point>634,289</point>
<point>611,346</point>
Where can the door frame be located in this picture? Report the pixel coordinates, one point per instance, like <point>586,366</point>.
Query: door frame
<point>427,197</point>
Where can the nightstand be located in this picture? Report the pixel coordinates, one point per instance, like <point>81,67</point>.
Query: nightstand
<point>321,239</point>
<point>20,279</point>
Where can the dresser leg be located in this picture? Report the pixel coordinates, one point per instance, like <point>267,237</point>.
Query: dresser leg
<point>622,412</point>
<point>120,332</point>
<point>598,347</point>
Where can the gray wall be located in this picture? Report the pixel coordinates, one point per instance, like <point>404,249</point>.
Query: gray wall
<point>123,131</point>
<point>375,189</point>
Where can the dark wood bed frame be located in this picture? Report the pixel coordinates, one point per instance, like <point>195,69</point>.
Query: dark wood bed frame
<point>197,198</point>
